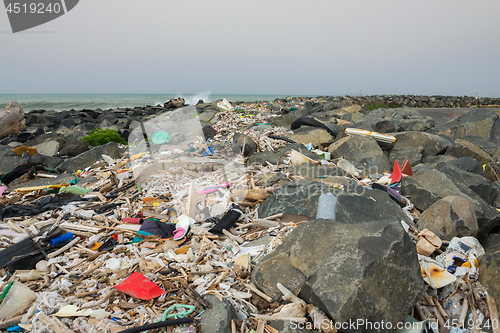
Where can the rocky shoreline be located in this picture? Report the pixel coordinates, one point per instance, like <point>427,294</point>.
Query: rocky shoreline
<point>279,263</point>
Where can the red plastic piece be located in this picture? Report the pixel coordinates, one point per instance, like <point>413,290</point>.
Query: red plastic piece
<point>132,220</point>
<point>396,173</point>
<point>138,286</point>
<point>406,169</point>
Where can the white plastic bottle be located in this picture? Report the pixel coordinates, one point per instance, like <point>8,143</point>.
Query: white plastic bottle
<point>327,206</point>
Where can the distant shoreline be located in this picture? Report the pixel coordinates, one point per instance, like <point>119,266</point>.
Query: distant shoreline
<point>67,102</point>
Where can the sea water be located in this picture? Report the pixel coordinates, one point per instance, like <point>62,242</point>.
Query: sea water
<point>63,102</point>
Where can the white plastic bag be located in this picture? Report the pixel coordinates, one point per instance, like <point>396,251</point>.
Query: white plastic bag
<point>18,298</point>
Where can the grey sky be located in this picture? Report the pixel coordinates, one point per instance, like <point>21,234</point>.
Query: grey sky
<point>258,47</point>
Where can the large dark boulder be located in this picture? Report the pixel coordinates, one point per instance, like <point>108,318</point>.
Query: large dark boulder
<point>73,148</point>
<point>481,122</point>
<point>462,148</point>
<point>424,143</point>
<point>489,147</point>
<point>299,197</point>
<point>450,217</point>
<point>426,187</point>
<point>244,145</point>
<point>468,164</point>
<point>278,156</point>
<point>365,270</point>
<point>90,157</point>
<point>217,319</point>
<point>364,151</point>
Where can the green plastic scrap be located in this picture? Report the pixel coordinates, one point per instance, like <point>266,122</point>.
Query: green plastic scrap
<point>184,314</point>
<point>6,291</point>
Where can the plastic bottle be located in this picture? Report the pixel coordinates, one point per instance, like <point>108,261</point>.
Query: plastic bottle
<point>189,329</point>
<point>327,205</point>
<point>66,237</point>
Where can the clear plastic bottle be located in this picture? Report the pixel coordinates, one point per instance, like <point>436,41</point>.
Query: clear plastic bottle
<point>327,206</point>
<point>189,329</point>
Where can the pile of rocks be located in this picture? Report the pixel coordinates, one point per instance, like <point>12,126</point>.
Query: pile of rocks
<point>278,263</point>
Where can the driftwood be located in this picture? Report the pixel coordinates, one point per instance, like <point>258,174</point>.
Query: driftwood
<point>54,323</point>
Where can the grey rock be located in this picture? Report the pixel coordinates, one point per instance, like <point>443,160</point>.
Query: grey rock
<point>88,158</point>
<point>462,148</point>
<point>175,103</point>
<point>467,182</point>
<point>427,186</point>
<point>278,156</point>
<point>206,116</point>
<point>12,119</point>
<point>364,150</point>
<point>284,120</point>
<point>480,122</point>
<point>271,179</point>
<point>73,148</point>
<point>489,147</point>
<point>50,161</point>
<point>434,161</point>
<point>243,144</point>
<point>363,208</point>
<point>489,266</point>
<point>62,178</point>
<point>413,156</point>
<point>317,137</point>
<point>9,161</point>
<point>432,144</point>
<point>299,198</point>
<point>346,269</point>
<point>450,217</point>
<point>209,131</point>
<point>468,164</point>
<point>385,126</point>
<point>48,148</point>
<point>217,319</point>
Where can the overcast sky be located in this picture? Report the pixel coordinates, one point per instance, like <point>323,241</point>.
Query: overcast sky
<point>448,47</point>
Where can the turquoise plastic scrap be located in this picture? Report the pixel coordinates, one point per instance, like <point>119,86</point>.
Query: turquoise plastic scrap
<point>183,314</point>
<point>16,328</point>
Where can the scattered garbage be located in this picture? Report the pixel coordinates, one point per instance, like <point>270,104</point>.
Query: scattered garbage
<point>138,242</point>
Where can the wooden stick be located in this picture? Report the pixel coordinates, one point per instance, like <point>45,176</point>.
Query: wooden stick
<point>232,237</point>
<point>87,293</point>
<point>273,217</point>
<point>257,291</point>
<point>434,309</point>
<point>494,321</point>
<point>473,310</point>
<point>272,318</point>
<point>54,323</point>
<point>61,268</point>
<point>11,322</point>
<point>463,313</point>
<point>64,248</point>
<point>156,215</point>
<point>289,296</point>
<point>233,326</point>
<point>260,327</point>
<point>105,298</point>
<point>15,227</point>
<point>440,308</point>
<point>191,201</point>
